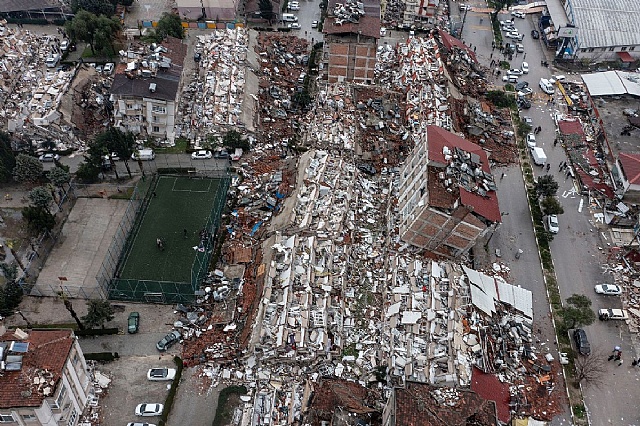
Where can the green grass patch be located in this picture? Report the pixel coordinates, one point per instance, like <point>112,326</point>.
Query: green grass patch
<point>124,195</point>
<point>179,148</point>
<point>505,65</point>
<point>579,410</point>
<point>224,412</point>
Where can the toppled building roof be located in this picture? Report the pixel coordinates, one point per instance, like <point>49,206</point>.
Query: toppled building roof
<point>153,73</point>
<point>420,404</point>
<point>334,398</point>
<point>42,355</point>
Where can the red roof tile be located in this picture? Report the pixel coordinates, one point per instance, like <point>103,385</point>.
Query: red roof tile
<point>48,350</point>
<point>486,206</point>
<point>367,26</point>
<point>331,394</point>
<point>631,166</point>
<point>450,41</point>
<point>416,406</point>
<point>438,138</point>
<point>570,127</point>
<point>489,387</point>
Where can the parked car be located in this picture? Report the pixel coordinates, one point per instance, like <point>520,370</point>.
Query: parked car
<point>514,71</point>
<point>201,155</point>
<point>133,322</point>
<point>518,36</point>
<point>552,224</point>
<point>546,86</point>
<point>527,119</point>
<point>582,343</point>
<point>535,34</point>
<point>168,341</point>
<point>608,289</point>
<point>510,78</point>
<point>518,14</point>
<point>64,45</point>
<point>143,154</point>
<point>294,26</point>
<point>464,7</point>
<point>52,60</point>
<point>47,158</point>
<point>139,424</point>
<point>314,24</point>
<point>108,68</point>
<point>612,314</point>
<point>221,155</point>
<point>531,140</point>
<point>519,47</point>
<point>513,35</point>
<point>522,85</point>
<point>523,103</point>
<point>525,92</point>
<point>525,68</point>
<point>146,410</point>
<point>160,374</point>
<point>383,30</point>
<point>559,78</point>
<point>114,156</point>
<point>197,56</point>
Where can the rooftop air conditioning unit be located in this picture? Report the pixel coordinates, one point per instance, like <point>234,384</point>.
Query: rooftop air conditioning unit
<point>152,87</point>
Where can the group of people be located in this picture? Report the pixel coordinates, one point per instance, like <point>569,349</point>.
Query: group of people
<point>537,130</point>
<point>616,355</point>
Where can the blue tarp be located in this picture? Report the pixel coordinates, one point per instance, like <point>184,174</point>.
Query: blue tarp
<point>255,228</point>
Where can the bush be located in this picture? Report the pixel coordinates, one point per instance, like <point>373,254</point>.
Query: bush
<point>101,356</point>
<point>168,402</point>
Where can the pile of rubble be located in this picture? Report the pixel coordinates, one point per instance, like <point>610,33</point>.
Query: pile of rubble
<point>213,100</point>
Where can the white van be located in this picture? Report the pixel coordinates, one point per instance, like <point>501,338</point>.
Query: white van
<point>547,86</point>
<point>146,154</point>
<point>289,17</point>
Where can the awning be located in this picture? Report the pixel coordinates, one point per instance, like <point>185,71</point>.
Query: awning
<point>625,57</point>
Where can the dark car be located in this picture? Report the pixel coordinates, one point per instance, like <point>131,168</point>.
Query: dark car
<point>582,343</point>
<point>168,341</point>
<point>535,34</point>
<point>221,154</point>
<point>367,168</point>
<point>523,103</point>
<point>133,322</point>
<point>197,56</point>
<point>522,85</point>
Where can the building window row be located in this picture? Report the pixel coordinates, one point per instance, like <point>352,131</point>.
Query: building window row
<point>6,418</point>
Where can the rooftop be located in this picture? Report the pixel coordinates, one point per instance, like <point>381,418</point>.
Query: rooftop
<point>604,23</point>
<point>19,5</point>
<point>45,359</point>
<point>421,404</point>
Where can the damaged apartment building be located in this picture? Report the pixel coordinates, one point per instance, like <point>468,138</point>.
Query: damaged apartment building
<point>145,89</point>
<point>352,31</point>
<point>448,197</point>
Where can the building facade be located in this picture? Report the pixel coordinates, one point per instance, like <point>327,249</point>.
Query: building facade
<point>43,378</point>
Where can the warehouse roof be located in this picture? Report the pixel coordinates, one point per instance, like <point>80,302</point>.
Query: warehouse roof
<point>603,23</point>
<point>610,83</point>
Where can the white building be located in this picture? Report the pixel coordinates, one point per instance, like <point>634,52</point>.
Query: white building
<point>43,378</point>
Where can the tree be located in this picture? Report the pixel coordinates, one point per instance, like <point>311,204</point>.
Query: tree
<point>168,25</point>
<point>38,218</point>
<point>591,369</point>
<point>59,177</point>
<point>97,31</point>
<point>10,272</point>
<point>41,197</point>
<point>551,205</point>
<point>7,159</point>
<point>11,298</point>
<point>578,312</point>
<point>501,99</point>
<point>106,30</point>
<point>88,172</point>
<point>118,142</point>
<point>125,3</point>
<point>69,306</point>
<point>99,312</point>
<point>96,7</point>
<point>27,169</point>
<point>546,186</point>
<point>266,9</point>
<point>234,139</point>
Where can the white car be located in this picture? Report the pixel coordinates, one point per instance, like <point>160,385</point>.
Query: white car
<point>513,34</point>
<point>383,31</point>
<point>518,14</point>
<point>294,5</point>
<point>546,86</point>
<point>294,26</point>
<point>552,224</point>
<point>201,155</point>
<point>139,424</point>
<point>559,78</point>
<point>147,410</point>
<point>160,374</point>
<point>64,45</point>
<point>531,140</point>
<point>114,156</point>
<point>46,158</point>
<point>608,289</point>
<point>519,47</point>
<point>525,68</point>
<point>314,24</point>
<point>514,71</point>
<point>525,92</point>
<point>108,68</point>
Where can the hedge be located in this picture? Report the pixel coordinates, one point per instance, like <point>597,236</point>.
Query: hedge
<point>97,331</point>
<point>168,402</point>
<point>101,356</point>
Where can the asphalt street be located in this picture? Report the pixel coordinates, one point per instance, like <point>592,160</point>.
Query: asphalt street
<point>578,250</point>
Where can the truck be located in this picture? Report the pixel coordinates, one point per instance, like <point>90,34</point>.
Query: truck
<point>612,314</point>
<point>538,155</point>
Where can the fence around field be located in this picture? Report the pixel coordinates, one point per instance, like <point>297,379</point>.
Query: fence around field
<point>157,291</point>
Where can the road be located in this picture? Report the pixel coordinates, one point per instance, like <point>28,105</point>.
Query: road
<point>309,11</point>
<point>576,250</point>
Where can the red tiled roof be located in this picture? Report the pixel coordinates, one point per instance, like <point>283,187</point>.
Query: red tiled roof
<point>367,26</point>
<point>625,56</point>
<point>333,393</point>
<point>631,166</point>
<point>486,206</point>
<point>489,387</point>
<point>438,138</point>
<point>415,406</point>
<point>48,350</point>
<point>573,127</point>
<point>450,41</point>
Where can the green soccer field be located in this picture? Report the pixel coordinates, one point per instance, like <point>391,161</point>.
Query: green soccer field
<point>178,203</point>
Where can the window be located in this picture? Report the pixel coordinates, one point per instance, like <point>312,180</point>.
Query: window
<point>61,395</point>
<point>611,49</point>
<point>159,109</point>
<point>632,48</point>
<point>156,129</point>
<point>72,418</point>
<point>7,418</point>
<point>583,50</point>
<point>29,417</point>
<point>604,49</point>
<point>623,48</point>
